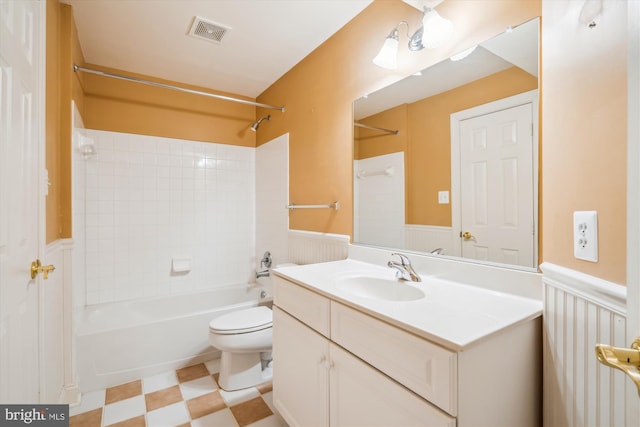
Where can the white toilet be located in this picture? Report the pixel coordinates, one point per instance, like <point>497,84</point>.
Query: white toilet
<point>244,337</point>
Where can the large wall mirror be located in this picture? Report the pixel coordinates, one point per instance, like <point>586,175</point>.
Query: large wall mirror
<point>446,161</point>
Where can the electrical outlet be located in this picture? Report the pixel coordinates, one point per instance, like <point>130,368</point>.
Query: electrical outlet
<point>585,235</point>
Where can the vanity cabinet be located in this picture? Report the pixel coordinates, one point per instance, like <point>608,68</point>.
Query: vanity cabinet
<point>337,365</point>
<point>321,384</point>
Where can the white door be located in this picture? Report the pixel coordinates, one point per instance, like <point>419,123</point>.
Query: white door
<point>497,187</point>
<point>21,136</point>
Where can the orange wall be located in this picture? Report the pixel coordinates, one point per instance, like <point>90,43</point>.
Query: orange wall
<point>584,114</point>
<point>63,49</point>
<point>122,106</point>
<point>425,135</point>
<point>319,91</point>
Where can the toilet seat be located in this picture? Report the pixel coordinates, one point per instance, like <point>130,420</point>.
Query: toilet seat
<point>242,321</point>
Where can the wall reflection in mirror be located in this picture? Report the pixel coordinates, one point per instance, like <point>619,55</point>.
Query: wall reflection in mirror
<point>446,161</point>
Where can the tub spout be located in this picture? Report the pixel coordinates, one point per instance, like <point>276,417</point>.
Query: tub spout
<point>263,273</point>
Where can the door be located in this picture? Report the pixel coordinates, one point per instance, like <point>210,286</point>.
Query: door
<point>497,187</point>
<point>21,136</point>
<point>632,400</point>
<point>301,360</point>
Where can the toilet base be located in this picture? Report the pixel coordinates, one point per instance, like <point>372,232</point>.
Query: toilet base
<point>242,370</point>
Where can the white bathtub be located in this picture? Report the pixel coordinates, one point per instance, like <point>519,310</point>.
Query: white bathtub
<point>123,341</point>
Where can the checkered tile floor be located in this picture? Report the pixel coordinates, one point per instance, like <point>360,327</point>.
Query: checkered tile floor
<point>185,397</point>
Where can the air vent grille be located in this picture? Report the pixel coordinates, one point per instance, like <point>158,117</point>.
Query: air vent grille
<point>208,30</point>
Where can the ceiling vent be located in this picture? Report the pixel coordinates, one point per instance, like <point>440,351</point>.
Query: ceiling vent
<point>207,30</point>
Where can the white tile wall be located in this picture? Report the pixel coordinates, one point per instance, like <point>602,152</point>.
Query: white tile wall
<point>150,199</point>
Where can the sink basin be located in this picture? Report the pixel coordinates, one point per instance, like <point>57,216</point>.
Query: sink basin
<point>380,289</point>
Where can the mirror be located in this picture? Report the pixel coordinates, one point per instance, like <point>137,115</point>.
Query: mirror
<point>446,161</point>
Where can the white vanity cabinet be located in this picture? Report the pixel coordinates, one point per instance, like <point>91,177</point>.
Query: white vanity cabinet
<point>337,365</point>
<point>319,383</point>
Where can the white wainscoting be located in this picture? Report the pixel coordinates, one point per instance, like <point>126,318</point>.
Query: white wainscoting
<point>581,311</point>
<point>426,238</point>
<point>307,247</point>
<point>58,382</point>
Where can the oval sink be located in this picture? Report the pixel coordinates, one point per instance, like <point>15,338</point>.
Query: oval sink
<point>380,289</point>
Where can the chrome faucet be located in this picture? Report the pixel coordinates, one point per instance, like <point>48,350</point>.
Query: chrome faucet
<point>265,262</point>
<point>405,270</point>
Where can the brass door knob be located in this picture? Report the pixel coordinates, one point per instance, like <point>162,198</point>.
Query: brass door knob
<point>467,235</point>
<point>37,267</point>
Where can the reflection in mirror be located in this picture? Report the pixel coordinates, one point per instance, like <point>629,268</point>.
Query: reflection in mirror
<point>446,161</point>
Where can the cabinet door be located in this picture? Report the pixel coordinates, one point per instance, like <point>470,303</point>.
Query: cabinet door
<point>300,372</point>
<point>362,396</point>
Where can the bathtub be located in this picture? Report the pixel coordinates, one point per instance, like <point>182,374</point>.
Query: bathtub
<point>123,341</point>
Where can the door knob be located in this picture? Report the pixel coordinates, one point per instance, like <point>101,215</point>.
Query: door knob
<point>37,267</point>
<point>625,359</point>
<point>467,236</point>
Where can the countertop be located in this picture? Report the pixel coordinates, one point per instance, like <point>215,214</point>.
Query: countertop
<point>452,314</point>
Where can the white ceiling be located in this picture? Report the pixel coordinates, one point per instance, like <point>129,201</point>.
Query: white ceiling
<point>267,38</point>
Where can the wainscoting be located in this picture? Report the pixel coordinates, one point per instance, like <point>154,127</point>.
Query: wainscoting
<point>307,247</point>
<point>581,311</point>
<point>58,382</point>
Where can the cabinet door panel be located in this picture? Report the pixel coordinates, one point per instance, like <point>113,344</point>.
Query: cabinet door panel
<point>425,368</point>
<point>362,396</point>
<point>301,375</point>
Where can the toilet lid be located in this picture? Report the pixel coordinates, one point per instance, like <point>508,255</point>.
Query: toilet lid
<point>242,321</point>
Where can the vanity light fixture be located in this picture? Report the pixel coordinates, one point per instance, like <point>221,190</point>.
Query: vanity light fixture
<point>388,55</point>
<point>434,32</point>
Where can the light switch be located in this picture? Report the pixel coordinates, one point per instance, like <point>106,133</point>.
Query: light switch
<point>443,197</point>
<point>585,235</point>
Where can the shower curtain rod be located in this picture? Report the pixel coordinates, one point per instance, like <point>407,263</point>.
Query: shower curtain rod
<point>77,68</point>
<point>360,125</point>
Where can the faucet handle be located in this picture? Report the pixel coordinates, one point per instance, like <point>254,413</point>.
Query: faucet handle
<point>403,258</point>
<point>266,259</point>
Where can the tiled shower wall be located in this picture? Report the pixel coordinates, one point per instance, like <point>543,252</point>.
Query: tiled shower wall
<point>150,200</point>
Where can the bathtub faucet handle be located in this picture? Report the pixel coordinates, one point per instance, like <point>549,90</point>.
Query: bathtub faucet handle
<point>266,260</point>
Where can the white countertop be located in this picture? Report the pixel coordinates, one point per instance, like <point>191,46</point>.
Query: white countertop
<point>451,314</point>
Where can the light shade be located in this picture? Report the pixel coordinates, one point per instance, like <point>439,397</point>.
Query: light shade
<point>388,55</point>
<point>436,29</point>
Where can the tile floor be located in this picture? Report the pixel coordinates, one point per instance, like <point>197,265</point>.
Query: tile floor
<point>185,397</point>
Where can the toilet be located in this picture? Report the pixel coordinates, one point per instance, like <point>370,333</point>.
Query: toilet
<point>244,337</point>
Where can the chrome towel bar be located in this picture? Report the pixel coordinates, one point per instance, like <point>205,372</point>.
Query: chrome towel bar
<point>335,205</point>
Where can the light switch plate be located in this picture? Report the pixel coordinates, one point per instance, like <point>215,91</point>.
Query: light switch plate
<point>585,235</point>
<point>443,197</point>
